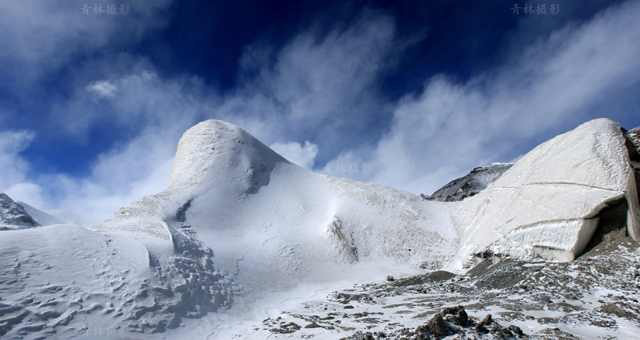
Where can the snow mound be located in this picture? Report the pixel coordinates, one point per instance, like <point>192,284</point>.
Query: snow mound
<point>548,203</point>
<point>14,215</point>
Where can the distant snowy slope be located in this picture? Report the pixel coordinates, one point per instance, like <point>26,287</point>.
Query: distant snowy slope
<point>13,215</point>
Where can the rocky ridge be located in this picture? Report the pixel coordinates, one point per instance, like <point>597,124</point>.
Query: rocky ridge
<point>470,184</point>
<point>13,215</point>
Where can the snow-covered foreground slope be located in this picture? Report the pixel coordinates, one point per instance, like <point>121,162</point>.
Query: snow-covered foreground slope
<point>238,222</point>
<point>65,281</point>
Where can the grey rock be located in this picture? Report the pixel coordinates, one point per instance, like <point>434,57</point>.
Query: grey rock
<point>469,185</point>
<point>13,215</point>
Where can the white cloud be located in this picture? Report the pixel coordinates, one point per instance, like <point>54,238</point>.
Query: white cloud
<point>319,87</point>
<point>102,88</point>
<point>449,127</point>
<point>301,154</point>
<point>14,167</point>
<point>38,36</point>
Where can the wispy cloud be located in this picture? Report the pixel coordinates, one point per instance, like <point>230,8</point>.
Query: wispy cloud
<point>450,127</point>
<point>301,154</point>
<point>40,36</point>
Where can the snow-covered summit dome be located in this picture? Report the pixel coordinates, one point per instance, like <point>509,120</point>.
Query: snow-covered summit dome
<point>214,151</point>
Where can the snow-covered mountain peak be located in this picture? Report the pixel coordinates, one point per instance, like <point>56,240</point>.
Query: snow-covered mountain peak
<point>214,152</point>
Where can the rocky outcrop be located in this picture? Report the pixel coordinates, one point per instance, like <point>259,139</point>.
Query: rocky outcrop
<point>13,215</point>
<point>633,136</point>
<point>595,294</point>
<point>469,185</point>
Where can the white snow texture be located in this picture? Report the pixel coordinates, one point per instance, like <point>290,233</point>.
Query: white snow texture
<point>273,224</point>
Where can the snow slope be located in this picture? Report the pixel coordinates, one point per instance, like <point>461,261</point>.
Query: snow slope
<point>547,204</point>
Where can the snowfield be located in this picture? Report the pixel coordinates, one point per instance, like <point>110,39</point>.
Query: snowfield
<point>240,227</point>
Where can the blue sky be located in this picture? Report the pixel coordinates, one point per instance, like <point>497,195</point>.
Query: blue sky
<point>95,94</point>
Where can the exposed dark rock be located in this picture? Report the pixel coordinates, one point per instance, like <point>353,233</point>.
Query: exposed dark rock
<point>286,328</point>
<point>181,214</point>
<point>633,144</point>
<point>346,298</point>
<point>470,184</point>
<point>481,327</point>
<point>460,316</point>
<point>13,214</point>
<point>436,326</point>
<point>619,311</point>
<point>612,225</point>
<point>436,276</point>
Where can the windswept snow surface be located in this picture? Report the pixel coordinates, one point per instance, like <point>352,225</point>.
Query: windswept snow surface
<point>282,234</point>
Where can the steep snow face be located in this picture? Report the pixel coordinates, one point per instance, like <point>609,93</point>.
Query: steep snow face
<point>471,184</point>
<point>13,215</point>
<point>548,203</point>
